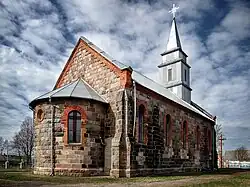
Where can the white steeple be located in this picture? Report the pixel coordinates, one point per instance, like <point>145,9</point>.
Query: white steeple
<point>174,70</point>
<point>174,39</point>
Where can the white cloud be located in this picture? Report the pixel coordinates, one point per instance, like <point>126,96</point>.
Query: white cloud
<point>41,35</point>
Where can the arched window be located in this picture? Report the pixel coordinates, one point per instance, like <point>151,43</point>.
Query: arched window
<point>205,138</point>
<point>74,127</point>
<point>184,134</point>
<point>141,124</point>
<point>168,128</point>
<point>209,141</point>
<point>198,135</point>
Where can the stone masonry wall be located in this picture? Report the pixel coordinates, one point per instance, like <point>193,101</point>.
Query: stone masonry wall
<point>107,80</point>
<point>83,159</point>
<point>161,154</point>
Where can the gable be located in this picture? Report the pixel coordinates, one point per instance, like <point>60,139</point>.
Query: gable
<point>88,63</point>
<point>105,74</point>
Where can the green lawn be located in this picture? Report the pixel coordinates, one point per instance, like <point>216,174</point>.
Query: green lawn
<point>24,175</point>
<point>239,180</point>
<point>231,178</point>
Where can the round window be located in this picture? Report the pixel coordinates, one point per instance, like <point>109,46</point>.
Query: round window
<point>40,115</point>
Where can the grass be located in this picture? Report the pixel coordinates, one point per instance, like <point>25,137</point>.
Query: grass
<point>25,175</point>
<point>233,178</point>
<point>239,180</point>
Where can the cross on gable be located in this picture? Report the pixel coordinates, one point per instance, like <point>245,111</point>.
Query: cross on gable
<point>174,10</point>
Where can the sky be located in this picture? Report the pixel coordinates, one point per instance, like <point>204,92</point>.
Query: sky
<point>37,37</point>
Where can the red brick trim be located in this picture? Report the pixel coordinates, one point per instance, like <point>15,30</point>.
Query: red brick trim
<point>145,104</point>
<point>64,121</point>
<point>145,130</point>
<point>125,75</point>
<point>39,114</point>
<point>125,78</point>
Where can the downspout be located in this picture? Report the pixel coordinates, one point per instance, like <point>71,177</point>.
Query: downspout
<point>126,114</point>
<point>128,145</point>
<point>214,142</point>
<point>134,86</point>
<point>52,138</point>
<point>32,159</point>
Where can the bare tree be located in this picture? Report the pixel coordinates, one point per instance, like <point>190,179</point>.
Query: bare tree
<point>16,146</point>
<point>218,130</point>
<point>241,154</point>
<point>23,140</point>
<point>1,145</point>
<point>6,146</point>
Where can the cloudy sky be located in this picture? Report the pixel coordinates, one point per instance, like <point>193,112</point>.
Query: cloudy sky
<point>37,37</point>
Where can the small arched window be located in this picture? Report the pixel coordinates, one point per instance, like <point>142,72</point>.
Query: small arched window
<point>141,124</point>
<point>209,141</point>
<point>198,135</point>
<point>168,128</point>
<point>74,127</point>
<point>184,134</point>
<point>205,138</point>
<point>40,115</point>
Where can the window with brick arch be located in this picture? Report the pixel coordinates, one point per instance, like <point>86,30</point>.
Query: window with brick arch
<point>205,139</point>
<point>184,134</point>
<point>209,141</point>
<point>74,127</point>
<point>141,124</point>
<point>198,136</point>
<point>168,128</point>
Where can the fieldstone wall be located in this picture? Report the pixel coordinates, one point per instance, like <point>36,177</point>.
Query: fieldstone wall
<point>107,80</point>
<point>109,145</point>
<point>160,155</point>
<point>84,159</point>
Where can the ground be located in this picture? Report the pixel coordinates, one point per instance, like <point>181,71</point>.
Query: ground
<point>222,178</point>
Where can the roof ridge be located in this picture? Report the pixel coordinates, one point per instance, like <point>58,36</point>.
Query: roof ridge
<point>103,53</point>
<point>75,86</point>
<point>92,89</point>
<point>174,98</point>
<point>67,85</point>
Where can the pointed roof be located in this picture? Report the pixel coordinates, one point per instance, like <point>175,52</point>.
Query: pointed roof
<point>77,89</point>
<point>136,76</point>
<point>174,39</point>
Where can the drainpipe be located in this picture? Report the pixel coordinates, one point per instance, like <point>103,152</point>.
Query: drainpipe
<point>134,86</point>
<point>126,114</point>
<point>52,138</point>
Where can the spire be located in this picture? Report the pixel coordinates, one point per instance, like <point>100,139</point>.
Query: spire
<point>174,39</point>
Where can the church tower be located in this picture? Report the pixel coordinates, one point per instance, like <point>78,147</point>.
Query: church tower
<point>174,69</point>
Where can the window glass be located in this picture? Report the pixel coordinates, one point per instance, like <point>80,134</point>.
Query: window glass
<point>169,74</point>
<point>141,123</point>
<point>74,127</point>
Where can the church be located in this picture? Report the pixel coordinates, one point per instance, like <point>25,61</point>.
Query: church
<point>105,118</point>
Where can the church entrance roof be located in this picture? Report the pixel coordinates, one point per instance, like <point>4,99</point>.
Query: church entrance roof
<point>77,89</point>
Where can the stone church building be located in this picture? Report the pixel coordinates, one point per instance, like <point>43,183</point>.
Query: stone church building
<point>105,118</point>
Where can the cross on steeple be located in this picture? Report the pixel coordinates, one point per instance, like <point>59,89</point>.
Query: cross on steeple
<point>173,10</point>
